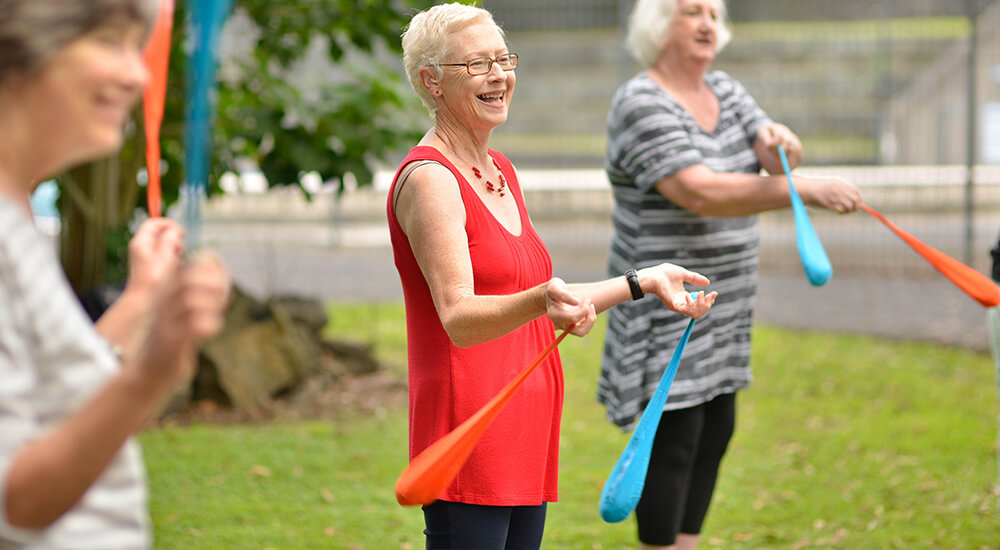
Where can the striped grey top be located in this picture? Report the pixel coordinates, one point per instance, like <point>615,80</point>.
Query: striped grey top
<point>650,137</point>
<point>51,362</point>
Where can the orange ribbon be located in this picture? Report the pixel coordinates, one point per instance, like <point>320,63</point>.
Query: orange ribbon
<point>157,59</point>
<point>972,282</point>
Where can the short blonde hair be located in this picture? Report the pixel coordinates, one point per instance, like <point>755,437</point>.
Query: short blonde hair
<point>649,25</point>
<point>426,43</point>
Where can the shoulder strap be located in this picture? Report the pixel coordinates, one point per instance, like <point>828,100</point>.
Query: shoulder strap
<point>405,174</point>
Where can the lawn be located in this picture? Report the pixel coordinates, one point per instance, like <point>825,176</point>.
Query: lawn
<point>842,442</point>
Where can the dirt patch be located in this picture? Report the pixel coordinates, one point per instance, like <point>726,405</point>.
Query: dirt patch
<point>330,394</point>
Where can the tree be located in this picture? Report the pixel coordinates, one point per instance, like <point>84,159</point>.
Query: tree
<point>264,117</point>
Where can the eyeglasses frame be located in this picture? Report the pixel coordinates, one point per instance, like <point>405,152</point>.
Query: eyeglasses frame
<point>489,67</point>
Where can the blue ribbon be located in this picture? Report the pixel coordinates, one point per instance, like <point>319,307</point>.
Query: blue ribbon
<point>206,18</point>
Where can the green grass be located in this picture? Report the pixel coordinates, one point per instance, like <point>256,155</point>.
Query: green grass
<point>842,442</point>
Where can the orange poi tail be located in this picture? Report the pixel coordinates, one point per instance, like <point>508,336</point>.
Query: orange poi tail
<point>433,470</point>
<point>972,282</point>
<point>157,59</point>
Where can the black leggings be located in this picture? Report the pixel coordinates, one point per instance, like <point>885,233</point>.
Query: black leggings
<point>683,468</point>
<point>458,526</point>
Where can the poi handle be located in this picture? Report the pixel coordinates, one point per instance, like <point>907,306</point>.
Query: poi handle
<point>624,485</point>
<point>814,259</point>
<point>433,470</point>
<point>970,281</point>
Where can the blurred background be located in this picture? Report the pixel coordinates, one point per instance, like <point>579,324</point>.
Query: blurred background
<point>901,97</point>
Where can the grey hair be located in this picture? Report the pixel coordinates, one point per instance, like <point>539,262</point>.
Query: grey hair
<point>649,25</point>
<point>426,44</point>
<point>32,32</point>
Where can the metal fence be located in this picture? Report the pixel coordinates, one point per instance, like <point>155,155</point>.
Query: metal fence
<point>892,84</point>
<point>885,93</point>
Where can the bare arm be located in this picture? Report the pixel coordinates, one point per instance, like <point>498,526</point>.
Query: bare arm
<point>50,474</point>
<point>708,193</point>
<point>430,211</point>
<point>666,281</point>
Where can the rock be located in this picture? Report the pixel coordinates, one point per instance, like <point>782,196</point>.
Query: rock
<point>262,352</point>
<point>270,356</point>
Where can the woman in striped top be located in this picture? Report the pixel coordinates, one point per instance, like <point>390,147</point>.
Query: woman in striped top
<point>71,477</point>
<point>684,151</point>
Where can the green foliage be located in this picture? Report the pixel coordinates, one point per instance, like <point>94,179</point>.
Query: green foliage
<point>842,442</point>
<point>267,118</point>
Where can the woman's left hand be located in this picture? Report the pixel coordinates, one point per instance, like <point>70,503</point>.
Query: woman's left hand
<point>667,282</point>
<point>566,310</point>
<point>769,138</point>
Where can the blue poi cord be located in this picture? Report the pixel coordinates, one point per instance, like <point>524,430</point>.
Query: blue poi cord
<point>205,21</point>
<point>623,488</point>
<point>814,259</point>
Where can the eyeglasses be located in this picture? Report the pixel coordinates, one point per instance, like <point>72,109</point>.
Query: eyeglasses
<point>483,65</point>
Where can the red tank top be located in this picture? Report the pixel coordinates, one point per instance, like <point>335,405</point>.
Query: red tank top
<point>516,461</point>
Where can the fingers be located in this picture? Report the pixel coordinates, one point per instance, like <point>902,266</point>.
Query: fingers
<point>582,327</point>
<point>696,279</point>
<point>695,308</point>
<point>205,291</point>
<point>779,134</point>
<point>155,251</point>
<point>578,319</point>
<point>845,197</point>
<point>558,291</point>
<point>192,304</point>
<point>159,235</point>
<point>566,310</point>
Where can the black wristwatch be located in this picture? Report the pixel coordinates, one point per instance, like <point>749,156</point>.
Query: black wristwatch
<point>633,284</point>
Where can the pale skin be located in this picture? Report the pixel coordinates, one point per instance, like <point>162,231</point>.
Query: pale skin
<point>430,211</point>
<point>685,57</point>
<point>72,111</point>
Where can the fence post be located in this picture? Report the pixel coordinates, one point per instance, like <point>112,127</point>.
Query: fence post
<point>972,113</point>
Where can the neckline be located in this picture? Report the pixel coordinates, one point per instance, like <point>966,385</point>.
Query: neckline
<point>463,181</point>
<point>684,110</point>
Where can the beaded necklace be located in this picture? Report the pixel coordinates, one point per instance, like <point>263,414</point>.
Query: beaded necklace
<point>501,188</point>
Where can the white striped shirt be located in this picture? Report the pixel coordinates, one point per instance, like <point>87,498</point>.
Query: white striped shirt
<point>51,362</point>
<point>650,137</point>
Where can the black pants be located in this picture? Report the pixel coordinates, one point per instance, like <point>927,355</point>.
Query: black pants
<point>683,468</point>
<point>458,526</point>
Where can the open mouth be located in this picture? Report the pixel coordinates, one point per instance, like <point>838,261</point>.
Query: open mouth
<point>492,98</point>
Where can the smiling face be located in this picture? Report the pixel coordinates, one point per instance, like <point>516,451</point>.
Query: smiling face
<point>476,101</point>
<point>694,29</point>
<point>82,97</point>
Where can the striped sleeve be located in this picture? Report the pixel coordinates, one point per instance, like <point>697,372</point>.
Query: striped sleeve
<point>651,140</point>
<point>745,107</point>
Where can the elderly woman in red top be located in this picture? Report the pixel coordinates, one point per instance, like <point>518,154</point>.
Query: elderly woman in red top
<point>481,301</point>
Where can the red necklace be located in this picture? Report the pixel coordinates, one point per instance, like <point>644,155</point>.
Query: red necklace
<point>498,189</point>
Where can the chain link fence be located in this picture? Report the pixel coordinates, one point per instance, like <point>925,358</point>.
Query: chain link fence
<point>902,97</point>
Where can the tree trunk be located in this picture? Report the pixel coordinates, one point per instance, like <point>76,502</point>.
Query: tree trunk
<point>98,200</point>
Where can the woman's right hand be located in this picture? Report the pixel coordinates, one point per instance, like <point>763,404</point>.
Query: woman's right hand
<point>566,310</point>
<point>831,193</point>
<point>667,282</point>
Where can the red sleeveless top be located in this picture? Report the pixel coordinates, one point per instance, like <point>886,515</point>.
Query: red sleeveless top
<point>516,461</point>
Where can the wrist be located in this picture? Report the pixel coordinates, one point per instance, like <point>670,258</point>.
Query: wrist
<point>635,288</point>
